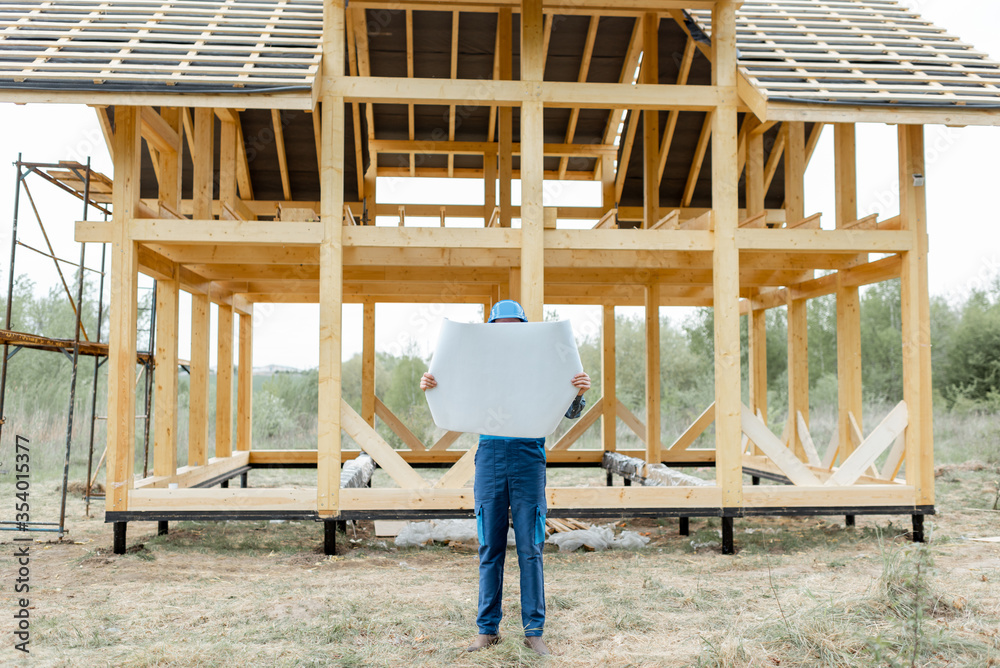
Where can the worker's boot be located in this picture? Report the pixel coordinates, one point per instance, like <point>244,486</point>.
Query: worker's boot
<point>482,641</point>
<point>536,644</point>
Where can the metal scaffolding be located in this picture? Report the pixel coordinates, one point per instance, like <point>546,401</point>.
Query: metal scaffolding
<point>94,191</point>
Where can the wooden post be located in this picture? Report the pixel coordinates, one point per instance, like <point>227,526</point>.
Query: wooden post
<point>758,362</point>
<point>795,169</point>
<point>331,262</point>
<point>198,393</point>
<point>368,364</point>
<point>725,264</point>
<point>532,166</point>
<point>798,372</point>
<point>652,292</point>
<point>917,392</point>
<point>167,316</point>
<point>608,183</point>
<point>849,399</point>
<point>227,164</point>
<point>758,317</point>
<point>798,340</point>
<point>609,418</point>
<point>203,194</point>
<point>165,397</point>
<point>489,183</point>
<point>203,177</point>
<point>122,330</point>
<point>755,173</point>
<point>224,384</point>
<point>651,123</point>
<point>244,385</point>
<point>505,32</point>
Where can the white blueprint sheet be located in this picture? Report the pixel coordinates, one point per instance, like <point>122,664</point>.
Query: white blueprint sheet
<point>505,379</point>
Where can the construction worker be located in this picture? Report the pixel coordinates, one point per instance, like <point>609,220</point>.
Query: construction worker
<point>510,474</point>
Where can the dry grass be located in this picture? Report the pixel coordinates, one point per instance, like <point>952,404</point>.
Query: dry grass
<point>260,593</point>
<point>800,592</point>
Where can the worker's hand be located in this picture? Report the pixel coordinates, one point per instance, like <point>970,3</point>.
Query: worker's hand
<point>427,382</point>
<point>582,381</point>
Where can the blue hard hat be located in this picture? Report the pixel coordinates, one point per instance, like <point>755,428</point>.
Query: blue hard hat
<point>507,308</point>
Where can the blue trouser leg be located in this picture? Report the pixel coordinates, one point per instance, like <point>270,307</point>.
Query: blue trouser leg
<point>491,494</point>
<point>527,505</point>
<point>510,473</point>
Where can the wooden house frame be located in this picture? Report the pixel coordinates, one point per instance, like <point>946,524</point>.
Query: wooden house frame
<point>291,108</point>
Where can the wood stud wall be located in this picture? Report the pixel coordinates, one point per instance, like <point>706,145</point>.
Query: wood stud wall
<point>737,259</point>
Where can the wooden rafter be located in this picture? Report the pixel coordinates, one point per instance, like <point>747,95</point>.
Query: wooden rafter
<point>352,59</point>
<point>574,114</point>
<point>279,141</point>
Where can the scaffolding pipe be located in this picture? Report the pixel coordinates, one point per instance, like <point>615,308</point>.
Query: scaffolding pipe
<point>10,294</point>
<point>76,358</point>
<point>149,385</point>
<point>97,367</point>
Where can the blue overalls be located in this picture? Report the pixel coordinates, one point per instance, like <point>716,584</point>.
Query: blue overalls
<point>510,473</point>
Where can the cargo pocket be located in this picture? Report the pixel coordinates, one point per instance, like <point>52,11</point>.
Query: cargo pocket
<point>539,525</point>
<point>479,526</point>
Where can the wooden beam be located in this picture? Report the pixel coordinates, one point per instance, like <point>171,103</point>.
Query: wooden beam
<point>631,421</point>
<point>122,330</point>
<point>783,458</point>
<point>532,165</point>
<point>460,472</point>
<point>397,426</point>
<point>588,52</point>
<point>668,133</point>
<point>387,458</point>
<point>692,433</point>
<point>868,451</point>
<point>579,427</point>
<point>561,94</point>
<point>699,158</point>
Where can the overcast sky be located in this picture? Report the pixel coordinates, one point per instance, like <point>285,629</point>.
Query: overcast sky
<point>963,180</point>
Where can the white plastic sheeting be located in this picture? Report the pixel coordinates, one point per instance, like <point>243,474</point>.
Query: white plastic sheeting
<point>504,379</point>
<point>598,538</point>
<point>652,475</point>
<point>416,534</point>
<point>357,472</point>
